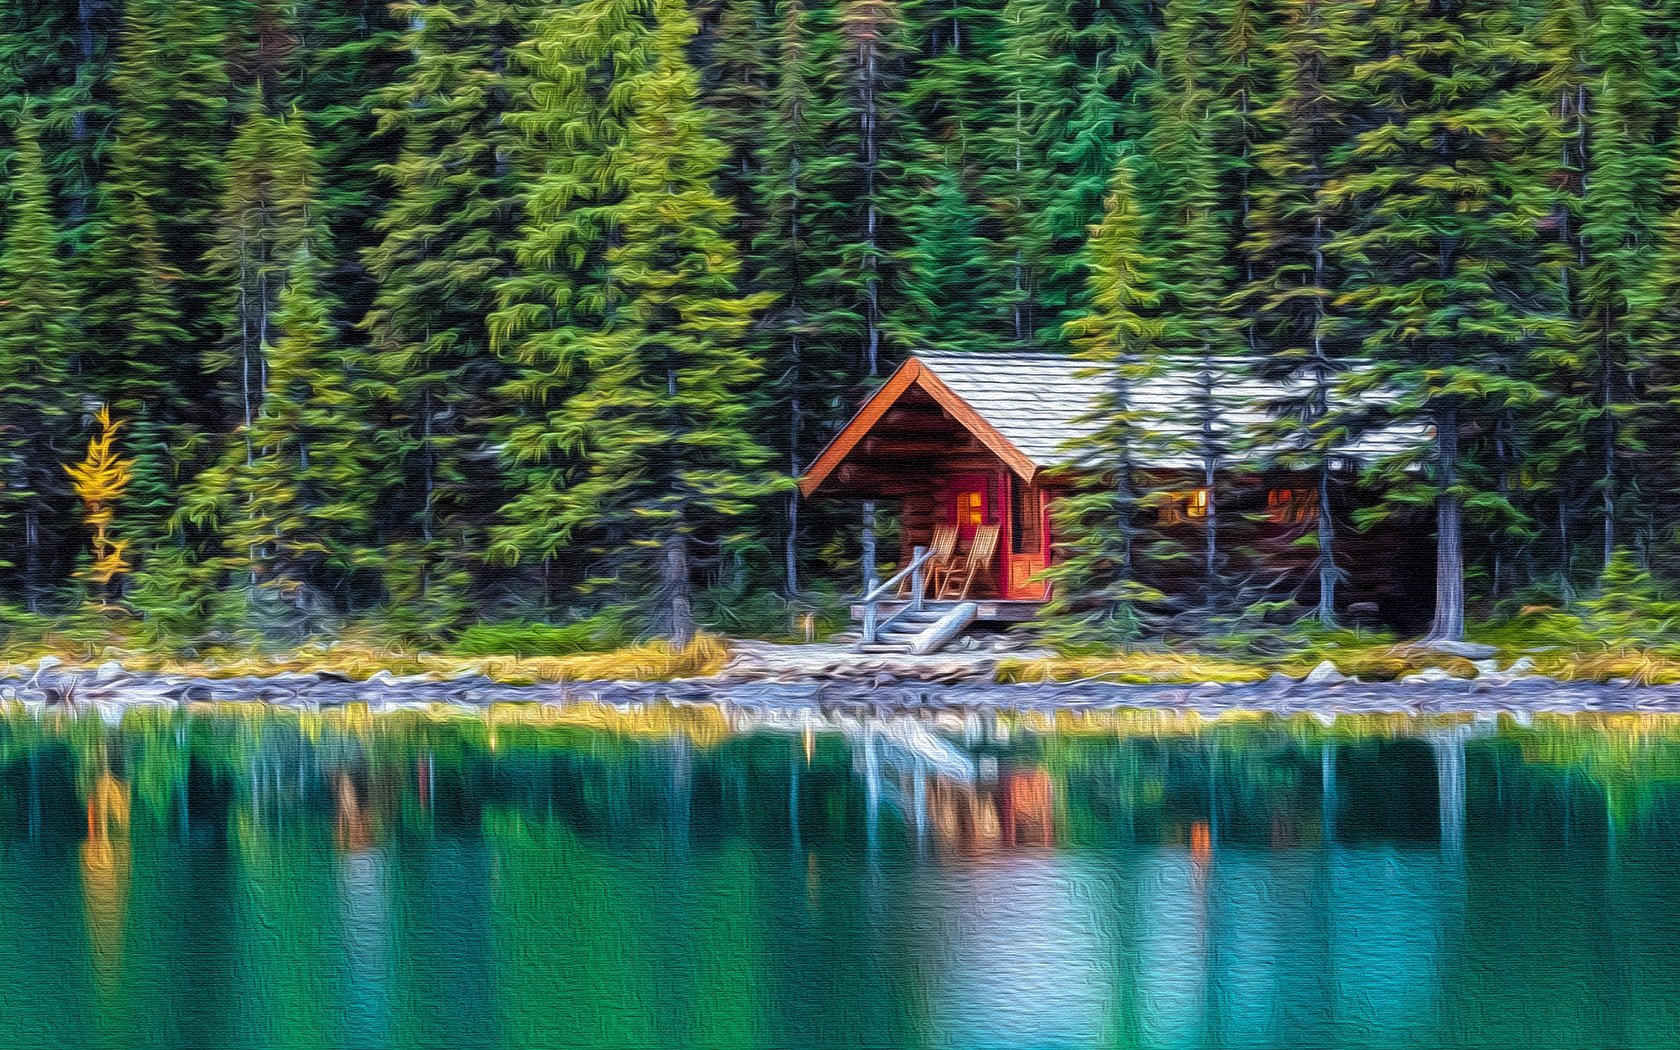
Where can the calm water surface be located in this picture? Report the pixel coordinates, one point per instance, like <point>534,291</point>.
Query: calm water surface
<point>665,879</point>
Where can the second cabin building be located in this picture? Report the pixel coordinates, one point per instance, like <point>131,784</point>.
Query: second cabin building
<point>973,450</point>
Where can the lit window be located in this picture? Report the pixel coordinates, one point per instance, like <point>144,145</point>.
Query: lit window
<point>1292,506</point>
<point>1190,505</point>
<point>1197,505</point>
<point>970,508</point>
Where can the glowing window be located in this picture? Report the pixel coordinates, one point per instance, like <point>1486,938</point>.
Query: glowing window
<point>1197,505</point>
<point>971,508</point>
<point>1292,506</point>
<point>1190,505</point>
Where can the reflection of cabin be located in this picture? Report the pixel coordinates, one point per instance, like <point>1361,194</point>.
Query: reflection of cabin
<point>987,442</point>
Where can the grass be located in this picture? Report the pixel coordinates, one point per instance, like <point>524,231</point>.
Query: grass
<point>1378,661</point>
<point>357,658</point>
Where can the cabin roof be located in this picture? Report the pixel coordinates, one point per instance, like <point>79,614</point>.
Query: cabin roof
<point>1034,410</point>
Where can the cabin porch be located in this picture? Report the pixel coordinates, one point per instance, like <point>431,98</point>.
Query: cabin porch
<point>992,611</point>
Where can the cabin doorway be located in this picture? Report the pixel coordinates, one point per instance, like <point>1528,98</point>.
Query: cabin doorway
<point>1028,551</point>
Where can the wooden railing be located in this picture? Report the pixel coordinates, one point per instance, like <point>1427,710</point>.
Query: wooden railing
<point>872,624</point>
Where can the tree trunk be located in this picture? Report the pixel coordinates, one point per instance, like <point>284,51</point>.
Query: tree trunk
<point>1448,625</point>
<point>32,558</point>
<point>869,557</point>
<point>1326,550</point>
<point>674,580</point>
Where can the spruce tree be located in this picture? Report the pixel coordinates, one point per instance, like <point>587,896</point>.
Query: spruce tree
<point>1098,597</point>
<point>1450,186</point>
<point>267,215</point>
<point>1197,331</point>
<point>174,89</point>
<point>289,505</point>
<point>1601,82</point>
<point>1290,283</point>
<point>951,295</point>
<point>807,338</point>
<point>446,241</point>
<point>38,336</point>
<point>666,463</point>
<point>1082,163</point>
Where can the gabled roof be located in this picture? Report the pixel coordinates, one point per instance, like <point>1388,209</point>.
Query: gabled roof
<point>1033,410</point>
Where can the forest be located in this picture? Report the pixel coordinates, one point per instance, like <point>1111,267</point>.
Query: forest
<point>316,312</point>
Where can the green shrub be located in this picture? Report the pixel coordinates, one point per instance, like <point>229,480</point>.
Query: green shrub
<point>609,629</point>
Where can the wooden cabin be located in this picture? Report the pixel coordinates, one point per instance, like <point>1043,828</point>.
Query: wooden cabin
<point>986,442</point>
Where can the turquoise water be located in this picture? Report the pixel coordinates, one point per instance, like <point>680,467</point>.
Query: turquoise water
<point>662,880</point>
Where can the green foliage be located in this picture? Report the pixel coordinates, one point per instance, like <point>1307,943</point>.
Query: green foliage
<point>1099,599</point>
<point>434,310</point>
<point>610,629</point>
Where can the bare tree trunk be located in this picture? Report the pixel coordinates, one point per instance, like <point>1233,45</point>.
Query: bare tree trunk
<point>1608,490</point>
<point>1566,590</point>
<point>1448,624</point>
<point>1326,549</point>
<point>1210,474</point>
<point>32,556</point>
<point>869,555</point>
<point>678,588</point>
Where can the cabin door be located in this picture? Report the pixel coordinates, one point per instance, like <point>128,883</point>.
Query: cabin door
<point>1029,543</point>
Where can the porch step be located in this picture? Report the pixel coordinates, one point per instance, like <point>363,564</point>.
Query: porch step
<point>923,632</point>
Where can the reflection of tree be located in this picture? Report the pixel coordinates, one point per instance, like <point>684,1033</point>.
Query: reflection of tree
<point>105,858</point>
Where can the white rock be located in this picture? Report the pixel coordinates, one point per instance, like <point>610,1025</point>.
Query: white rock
<point>1468,650</point>
<point>1522,665</point>
<point>108,670</point>
<point>1326,673</point>
<point>1428,675</point>
<point>1487,666</point>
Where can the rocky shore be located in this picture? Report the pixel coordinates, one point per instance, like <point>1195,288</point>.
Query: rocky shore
<point>773,679</point>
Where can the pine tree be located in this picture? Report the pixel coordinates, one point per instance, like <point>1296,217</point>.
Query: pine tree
<point>659,425</point>
<point>1098,596</point>
<point>1082,162</point>
<point>807,338</point>
<point>289,504</point>
<point>1290,282</point>
<point>38,336</point>
<point>1190,236</point>
<point>173,88</point>
<point>951,295</point>
<point>1602,84</point>
<point>267,216</point>
<point>447,235</point>
<point>1450,186</point>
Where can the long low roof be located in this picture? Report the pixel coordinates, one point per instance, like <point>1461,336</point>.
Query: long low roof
<point>1038,411</point>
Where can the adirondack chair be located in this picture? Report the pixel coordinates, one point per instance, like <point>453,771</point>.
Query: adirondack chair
<point>958,578</point>
<point>940,548</point>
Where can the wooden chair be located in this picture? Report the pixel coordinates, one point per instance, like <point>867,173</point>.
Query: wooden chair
<point>940,549</point>
<point>958,579</point>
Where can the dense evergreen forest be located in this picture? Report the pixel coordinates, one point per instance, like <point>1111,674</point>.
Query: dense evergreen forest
<point>428,312</point>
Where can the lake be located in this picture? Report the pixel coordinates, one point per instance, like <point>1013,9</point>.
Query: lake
<point>248,877</point>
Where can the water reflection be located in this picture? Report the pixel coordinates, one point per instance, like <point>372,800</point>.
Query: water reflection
<point>242,877</point>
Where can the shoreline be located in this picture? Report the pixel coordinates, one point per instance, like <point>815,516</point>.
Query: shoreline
<point>879,688</point>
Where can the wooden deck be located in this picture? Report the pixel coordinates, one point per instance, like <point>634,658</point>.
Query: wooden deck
<point>991,610</point>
